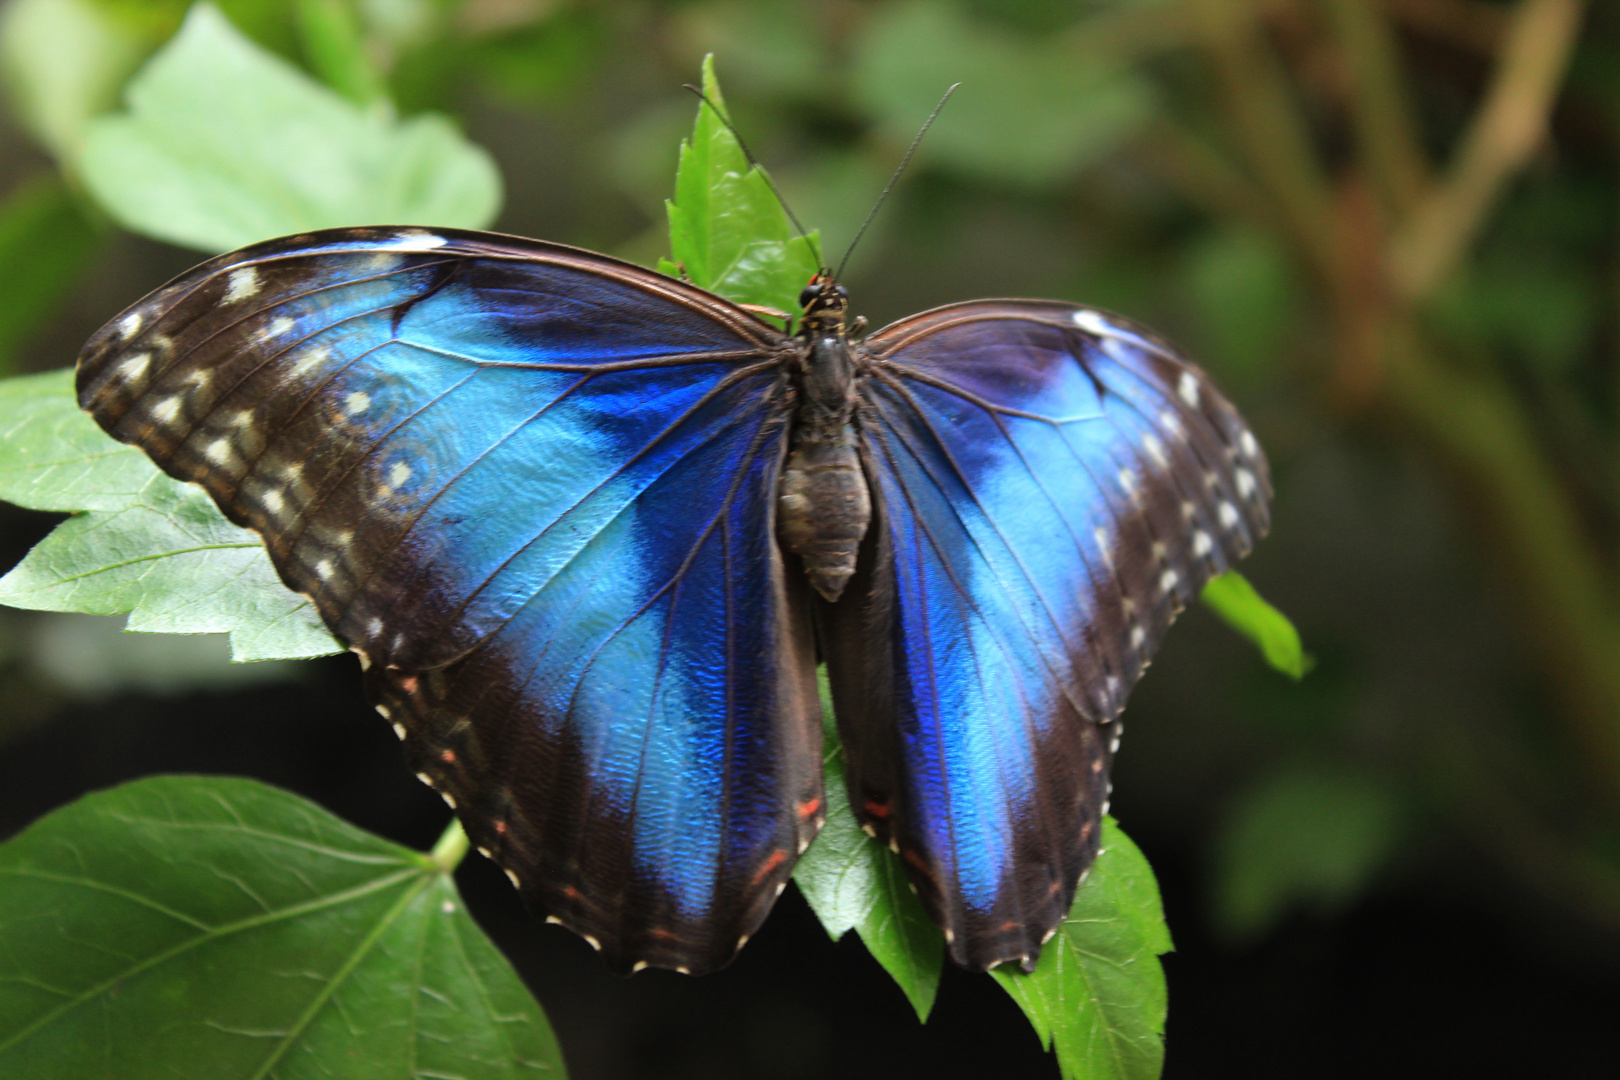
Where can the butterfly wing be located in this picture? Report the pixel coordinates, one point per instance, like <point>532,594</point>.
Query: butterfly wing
<point>1051,486</point>
<point>532,487</point>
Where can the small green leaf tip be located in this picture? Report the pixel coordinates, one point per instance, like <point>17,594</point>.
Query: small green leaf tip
<point>1098,995</point>
<point>852,882</point>
<point>1243,609</point>
<point>727,229</point>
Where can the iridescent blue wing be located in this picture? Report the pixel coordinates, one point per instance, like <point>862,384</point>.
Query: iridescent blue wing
<point>532,488</point>
<point>1051,486</point>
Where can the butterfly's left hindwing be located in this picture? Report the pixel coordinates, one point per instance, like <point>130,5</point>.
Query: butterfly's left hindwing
<point>1051,485</point>
<point>532,486</point>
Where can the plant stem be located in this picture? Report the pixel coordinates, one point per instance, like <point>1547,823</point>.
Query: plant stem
<point>451,847</point>
<point>1505,132</point>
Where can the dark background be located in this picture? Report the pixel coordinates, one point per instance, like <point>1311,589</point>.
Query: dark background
<point>1408,864</point>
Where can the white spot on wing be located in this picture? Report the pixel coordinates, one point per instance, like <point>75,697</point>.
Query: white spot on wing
<point>324,569</point>
<point>273,501</point>
<point>1229,515</point>
<point>639,965</point>
<point>357,403</point>
<point>218,451</point>
<point>1167,580</point>
<point>382,711</point>
<point>399,729</point>
<point>1127,480</point>
<point>415,241</point>
<point>278,326</point>
<point>1093,323</point>
<point>311,358</point>
<point>1250,447</point>
<point>1201,543</point>
<point>1188,388</point>
<point>1171,423</point>
<point>1155,450</point>
<point>166,410</point>
<point>243,283</point>
<point>1245,483</point>
<point>1138,635</point>
<point>398,473</point>
<point>135,366</point>
<point>130,325</point>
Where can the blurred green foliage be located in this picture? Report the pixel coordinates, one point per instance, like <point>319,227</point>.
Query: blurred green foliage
<point>1387,227</point>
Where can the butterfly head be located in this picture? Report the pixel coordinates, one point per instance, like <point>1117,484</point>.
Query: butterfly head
<point>825,303</point>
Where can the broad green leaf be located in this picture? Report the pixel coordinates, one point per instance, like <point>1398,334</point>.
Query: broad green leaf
<point>221,928</point>
<point>148,545</point>
<point>64,61</point>
<point>1098,996</point>
<point>1301,837</point>
<point>226,144</point>
<point>1243,609</point>
<point>46,241</point>
<point>1029,111</point>
<point>853,883</point>
<point>726,228</point>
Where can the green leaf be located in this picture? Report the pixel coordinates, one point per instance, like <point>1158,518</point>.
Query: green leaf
<point>336,49</point>
<point>854,883</point>
<point>226,144</point>
<point>46,241</point>
<point>64,61</point>
<point>726,227</point>
<point>1302,836</point>
<point>1098,994</point>
<point>148,545</point>
<point>1030,111</point>
<point>1232,598</point>
<point>220,928</point>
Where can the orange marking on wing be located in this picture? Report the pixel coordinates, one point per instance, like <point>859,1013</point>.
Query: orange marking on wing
<point>778,857</point>
<point>915,859</point>
<point>408,684</point>
<point>877,809</point>
<point>500,827</point>
<point>448,757</point>
<point>808,808</point>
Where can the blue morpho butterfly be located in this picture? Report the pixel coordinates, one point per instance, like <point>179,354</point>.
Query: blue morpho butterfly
<point>589,529</point>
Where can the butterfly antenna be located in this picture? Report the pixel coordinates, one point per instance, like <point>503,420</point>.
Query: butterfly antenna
<point>757,167</point>
<point>895,179</point>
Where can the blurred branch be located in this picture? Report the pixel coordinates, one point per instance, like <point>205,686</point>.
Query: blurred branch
<point>1270,127</point>
<point>1203,176</point>
<point>1379,104</point>
<point>1481,801</point>
<point>1504,134</point>
<point>1476,422</point>
<point>1469,24</point>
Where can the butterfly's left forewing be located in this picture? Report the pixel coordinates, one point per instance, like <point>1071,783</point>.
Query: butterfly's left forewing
<point>532,487</point>
<point>1051,485</point>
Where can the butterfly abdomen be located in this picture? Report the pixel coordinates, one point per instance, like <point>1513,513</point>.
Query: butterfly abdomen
<point>823,505</point>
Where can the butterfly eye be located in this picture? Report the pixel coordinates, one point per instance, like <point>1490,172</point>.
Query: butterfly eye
<point>809,293</point>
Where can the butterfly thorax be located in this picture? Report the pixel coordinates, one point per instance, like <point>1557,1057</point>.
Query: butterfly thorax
<point>823,505</point>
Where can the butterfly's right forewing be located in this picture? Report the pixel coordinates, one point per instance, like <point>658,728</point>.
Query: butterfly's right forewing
<point>532,486</point>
